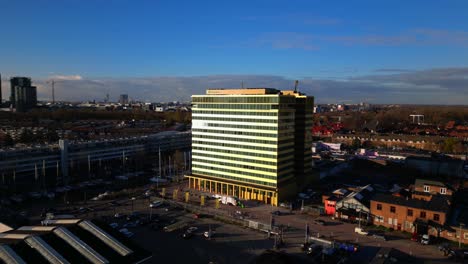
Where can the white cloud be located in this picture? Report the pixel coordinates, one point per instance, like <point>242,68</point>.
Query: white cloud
<point>66,77</point>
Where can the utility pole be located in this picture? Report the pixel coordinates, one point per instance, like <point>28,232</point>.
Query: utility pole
<point>460,237</point>
<point>359,219</point>
<point>53,92</point>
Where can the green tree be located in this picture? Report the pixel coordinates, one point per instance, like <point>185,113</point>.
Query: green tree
<point>8,141</point>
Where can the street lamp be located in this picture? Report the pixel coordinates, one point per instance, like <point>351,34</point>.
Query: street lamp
<point>460,237</point>
<point>359,221</point>
<point>132,199</point>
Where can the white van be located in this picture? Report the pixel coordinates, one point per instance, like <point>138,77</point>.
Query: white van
<point>360,231</point>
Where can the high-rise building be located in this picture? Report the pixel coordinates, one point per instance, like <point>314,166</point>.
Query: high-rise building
<point>123,99</point>
<point>252,143</point>
<point>23,96</point>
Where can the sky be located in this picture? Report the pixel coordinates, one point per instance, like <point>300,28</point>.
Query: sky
<point>340,51</point>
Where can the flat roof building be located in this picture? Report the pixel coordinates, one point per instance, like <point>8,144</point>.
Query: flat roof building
<point>23,96</point>
<point>252,143</point>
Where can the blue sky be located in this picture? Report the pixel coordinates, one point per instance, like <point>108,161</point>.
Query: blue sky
<point>78,40</point>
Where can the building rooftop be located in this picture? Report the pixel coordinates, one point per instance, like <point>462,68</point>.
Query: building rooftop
<point>438,203</point>
<point>422,182</point>
<point>243,91</point>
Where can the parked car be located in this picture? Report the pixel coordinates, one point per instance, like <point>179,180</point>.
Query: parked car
<point>320,222</point>
<point>114,225</point>
<point>189,232</point>
<point>118,215</point>
<point>360,231</point>
<point>208,234</point>
<point>192,229</point>
<point>278,213</point>
<point>133,216</point>
<point>415,237</point>
<point>155,204</point>
<point>187,235</point>
<point>314,249</point>
<point>425,239</point>
<point>379,237</point>
<point>128,234</point>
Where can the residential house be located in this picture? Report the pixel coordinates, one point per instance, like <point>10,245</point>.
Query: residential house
<point>409,214</point>
<point>425,189</point>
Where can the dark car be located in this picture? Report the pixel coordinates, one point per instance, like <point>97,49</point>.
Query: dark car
<point>276,213</point>
<point>319,222</point>
<point>380,237</point>
<point>187,235</point>
<point>314,249</point>
<point>133,216</point>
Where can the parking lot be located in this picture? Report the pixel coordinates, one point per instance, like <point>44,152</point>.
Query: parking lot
<point>230,243</point>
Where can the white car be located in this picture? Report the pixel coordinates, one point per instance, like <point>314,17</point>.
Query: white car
<point>425,239</point>
<point>208,234</point>
<point>360,231</point>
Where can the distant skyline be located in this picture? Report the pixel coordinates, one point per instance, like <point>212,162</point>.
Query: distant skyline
<point>341,51</point>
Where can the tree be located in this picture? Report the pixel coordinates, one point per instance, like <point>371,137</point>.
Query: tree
<point>8,141</point>
<point>52,136</point>
<point>39,136</point>
<point>356,144</point>
<point>26,136</point>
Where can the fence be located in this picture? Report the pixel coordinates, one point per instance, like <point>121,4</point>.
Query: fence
<point>227,217</point>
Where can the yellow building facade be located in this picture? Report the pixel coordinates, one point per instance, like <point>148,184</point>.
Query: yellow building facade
<point>251,143</point>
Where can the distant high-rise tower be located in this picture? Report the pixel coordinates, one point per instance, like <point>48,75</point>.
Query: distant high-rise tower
<point>123,99</point>
<point>23,96</point>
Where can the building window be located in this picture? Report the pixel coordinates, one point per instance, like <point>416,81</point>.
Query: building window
<point>390,221</point>
<point>427,188</point>
<point>410,212</point>
<point>443,190</point>
<point>392,209</point>
<point>465,235</point>
<point>408,225</point>
<point>379,207</point>
<point>380,219</point>
<point>422,214</point>
<point>436,217</point>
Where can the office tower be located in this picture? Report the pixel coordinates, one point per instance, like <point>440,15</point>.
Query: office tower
<point>252,143</point>
<point>123,99</point>
<point>0,89</point>
<point>23,96</point>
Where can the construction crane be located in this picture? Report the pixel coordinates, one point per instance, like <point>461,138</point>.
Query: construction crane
<point>52,82</point>
<point>296,83</point>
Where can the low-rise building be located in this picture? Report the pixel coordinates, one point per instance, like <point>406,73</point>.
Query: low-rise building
<point>424,189</point>
<point>356,205</point>
<point>409,214</point>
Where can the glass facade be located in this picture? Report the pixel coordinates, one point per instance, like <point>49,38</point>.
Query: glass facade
<point>249,139</point>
